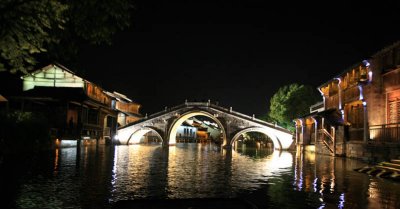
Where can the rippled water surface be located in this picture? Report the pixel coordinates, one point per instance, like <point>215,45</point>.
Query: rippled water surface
<point>97,177</point>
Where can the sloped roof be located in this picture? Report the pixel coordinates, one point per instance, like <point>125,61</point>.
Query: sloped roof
<point>386,49</point>
<point>3,99</point>
<point>48,67</point>
<point>378,53</point>
<point>119,96</point>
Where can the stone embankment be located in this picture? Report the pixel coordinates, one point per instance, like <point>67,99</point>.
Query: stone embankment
<point>389,170</point>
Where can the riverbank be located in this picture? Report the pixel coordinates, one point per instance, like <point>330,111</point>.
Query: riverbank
<point>371,152</point>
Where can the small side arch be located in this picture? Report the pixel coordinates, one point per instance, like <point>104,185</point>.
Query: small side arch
<point>135,137</point>
<point>275,140</point>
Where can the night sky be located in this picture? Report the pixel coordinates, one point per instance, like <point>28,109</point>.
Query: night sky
<point>236,52</point>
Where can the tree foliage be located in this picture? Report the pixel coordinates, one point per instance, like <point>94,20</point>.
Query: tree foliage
<point>291,101</point>
<point>31,30</point>
<point>25,27</point>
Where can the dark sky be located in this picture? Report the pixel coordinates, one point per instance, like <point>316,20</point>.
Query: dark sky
<point>236,52</point>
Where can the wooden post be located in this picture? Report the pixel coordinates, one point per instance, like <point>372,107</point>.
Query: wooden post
<point>334,140</point>
<point>365,134</point>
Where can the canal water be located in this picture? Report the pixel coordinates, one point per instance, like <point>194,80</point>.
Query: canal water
<point>98,176</point>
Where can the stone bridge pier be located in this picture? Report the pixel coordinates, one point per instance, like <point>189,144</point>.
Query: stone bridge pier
<point>165,124</point>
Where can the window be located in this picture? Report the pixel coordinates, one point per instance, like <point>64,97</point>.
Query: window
<point>355,116</point>
<point>393,107</point>
<point>84,115</point>
<point>333,88</point>
<point>363,73</point>
<point>394,111</point>
<point>113,104</point>
<point>93,116</point>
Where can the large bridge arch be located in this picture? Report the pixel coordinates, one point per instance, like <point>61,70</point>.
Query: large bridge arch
<point>280,141</point>
<point>171,136</point>
<point>138,134</point>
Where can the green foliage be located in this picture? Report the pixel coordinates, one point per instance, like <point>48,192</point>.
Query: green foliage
<point>25,27</point>
<point>53,29</point>
<point>291,101</point>
<point>264,117</point>
<point>254,136</point>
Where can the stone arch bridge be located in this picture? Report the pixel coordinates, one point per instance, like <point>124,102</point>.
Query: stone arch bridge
<point>232,124</point>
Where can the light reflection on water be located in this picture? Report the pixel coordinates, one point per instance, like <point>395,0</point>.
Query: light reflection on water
<point>96,177</point>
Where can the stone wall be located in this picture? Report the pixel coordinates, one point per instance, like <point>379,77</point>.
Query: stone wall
<point>382,152</point>
<point>372,152</point>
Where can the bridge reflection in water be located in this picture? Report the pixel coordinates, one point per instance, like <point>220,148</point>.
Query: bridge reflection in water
<point>96,177</point>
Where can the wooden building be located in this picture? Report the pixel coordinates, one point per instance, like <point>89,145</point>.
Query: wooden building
<point>360,111</point>
<point>75,107</point>
<point>128,111</point>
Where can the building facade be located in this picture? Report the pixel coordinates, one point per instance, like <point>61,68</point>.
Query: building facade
<point>360,113</point>
<point>194,130</point>
<point>75,107</point>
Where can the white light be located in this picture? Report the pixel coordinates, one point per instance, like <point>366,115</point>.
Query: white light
<point>370,76</point>
<point>364,103</point>
<point>361,92</point>
<point>366,63</point>
<point>341,201</point>
<point>116,137</point>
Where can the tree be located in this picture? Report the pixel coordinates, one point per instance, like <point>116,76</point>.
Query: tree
<point>291,101</point>
<point>25,27</point>
<point>34,30</point>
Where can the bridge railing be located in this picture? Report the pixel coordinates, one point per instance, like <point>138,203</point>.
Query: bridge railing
<point>178,107</point>
<point>166,110</point>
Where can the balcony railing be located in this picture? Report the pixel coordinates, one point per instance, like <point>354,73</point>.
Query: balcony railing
<point>317,107</point>
<point>385,133</point>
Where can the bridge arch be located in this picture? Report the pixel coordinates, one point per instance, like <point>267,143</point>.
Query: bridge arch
<point>267,131</point>
<point>135,137</point>
<point>174,127</point>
